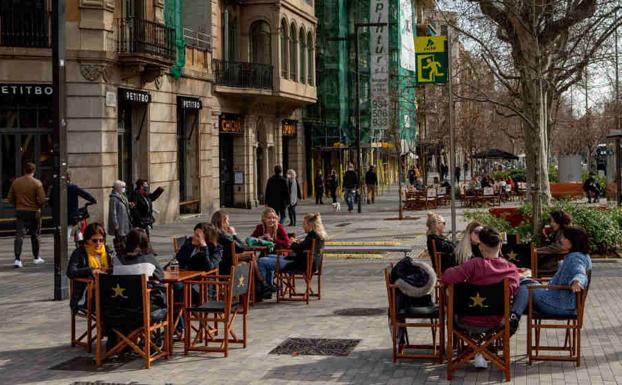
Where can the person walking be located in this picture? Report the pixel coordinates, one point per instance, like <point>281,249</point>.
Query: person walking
<point>277,193</point>
<point>74,193</point>
<point>350,184</point>
<point>333,184</point>
<point>26,194</point>
<point>119,216</point>
<point>412,176</point>
<point>319,187</point>
<point>371,181</point>
<point>457,173</point>
<point>141,205</point>
<point>294,196</point>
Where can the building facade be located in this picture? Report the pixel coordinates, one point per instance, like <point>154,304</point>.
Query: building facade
<point>148,97</point>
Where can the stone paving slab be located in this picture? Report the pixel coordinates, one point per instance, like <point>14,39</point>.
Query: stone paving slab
<point>34,331</point>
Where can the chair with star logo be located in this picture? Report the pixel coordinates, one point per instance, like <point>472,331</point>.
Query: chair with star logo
<point>519,254</point>
<point>209,323</point>
<point>125,315</point>
<point>465,301</point>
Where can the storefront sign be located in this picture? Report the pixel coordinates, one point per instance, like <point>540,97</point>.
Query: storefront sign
<point>26,89</point>
<point>134,96</point>
<point>186,103</point>
<point>379,66</point>
<point>290,128</point>
<point>231,124</point>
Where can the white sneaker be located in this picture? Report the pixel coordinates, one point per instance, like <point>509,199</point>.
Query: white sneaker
<point>480,362</point>
<point>17,263</point>
<point>38,261</point>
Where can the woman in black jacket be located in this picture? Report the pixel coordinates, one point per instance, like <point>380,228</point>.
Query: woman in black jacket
<point>201,252</point>
<point>138,257</point>
<point>436,228</point>
<point>93,256</point>
<point>141,203</point>
<point>226,238</point>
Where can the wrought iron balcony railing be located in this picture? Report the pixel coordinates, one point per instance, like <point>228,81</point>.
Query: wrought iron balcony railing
<point>139,36</point>
<point>243,75</point>
<point>27,26</point>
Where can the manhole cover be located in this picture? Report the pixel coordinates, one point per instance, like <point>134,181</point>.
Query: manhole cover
<point>344,224</point>
<point>361,311</point>
<point>316,346</point>
<point>87,364</point>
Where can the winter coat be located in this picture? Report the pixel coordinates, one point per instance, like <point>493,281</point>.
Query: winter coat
<point>445,247</point>
<point>277,193</point>
<point>294,192</point>
<point>136,265</point>
<point>350,180</point>
<point>371,179</point>
<point>415,281</point>
<point>78,267</point>
<point>226,240</point>
<point>203,259</point>
<point>299,257</point>
<point>119,217</point>
<point>142,212</point>
<point>74,192</point>
<point>573,268</point>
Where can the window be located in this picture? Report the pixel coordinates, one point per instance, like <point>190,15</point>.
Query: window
<point>284,49</point>
<point>261,47</point>
<point>229,36</point>
<point>310,59</point>
<point>303,51</point>
<point>24,23</point>
<point>293,53</point>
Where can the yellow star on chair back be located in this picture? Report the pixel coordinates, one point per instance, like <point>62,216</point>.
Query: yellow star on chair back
<point>241,281</point>
<point>478,301</point>
<point>118,291</point>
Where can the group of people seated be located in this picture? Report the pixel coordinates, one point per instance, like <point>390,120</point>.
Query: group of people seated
<point>477,259</point>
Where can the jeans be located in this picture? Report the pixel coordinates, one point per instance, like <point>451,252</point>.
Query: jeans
<point>521,300</point>
<point>291,211</point>
<point>31,221</point>
<point>349,197</point>
<point>319,194</point>
<point>281,213</point>
<point>267,267</point>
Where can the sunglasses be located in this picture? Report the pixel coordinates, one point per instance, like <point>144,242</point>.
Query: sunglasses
<point>96,240</point>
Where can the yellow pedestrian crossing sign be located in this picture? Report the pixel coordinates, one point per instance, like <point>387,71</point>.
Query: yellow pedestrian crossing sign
<point>431,59</point>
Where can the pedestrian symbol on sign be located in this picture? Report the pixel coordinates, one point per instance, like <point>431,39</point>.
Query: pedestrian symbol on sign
<point>432,66</point>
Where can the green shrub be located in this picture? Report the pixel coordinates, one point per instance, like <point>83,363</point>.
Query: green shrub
<point>518,174</point>
<point>485,218</point>
<point>553,174</point>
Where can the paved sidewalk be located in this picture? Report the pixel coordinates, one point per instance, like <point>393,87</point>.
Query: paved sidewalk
<point>34,331</point>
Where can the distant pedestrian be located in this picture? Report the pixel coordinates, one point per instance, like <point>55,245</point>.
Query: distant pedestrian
<point>591,188</point>
<point>412,176</point>
<point>332,183</point>
<point>294,195</point>
<point>119,216</point>
<point>74,193</point>
<point>371,181</point>
<point>350,185</point>
<point>465,167</point>
<point>277,193</point>
<point>319,187</point>
<point>444,171</point>
<point>141,205</point>
<point>457,173</point>
<point>26,194</point>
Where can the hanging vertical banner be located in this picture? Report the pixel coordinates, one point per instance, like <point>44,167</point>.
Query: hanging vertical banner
<point>379,66</point>
<point>408,58</point>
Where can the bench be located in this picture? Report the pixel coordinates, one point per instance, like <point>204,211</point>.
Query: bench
<point>567,190</point>
<point>356,249</point>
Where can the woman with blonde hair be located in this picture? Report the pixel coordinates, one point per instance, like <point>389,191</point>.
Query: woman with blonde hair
<point>297,260</point>
<point>226,237</point>
<point>436,227</point>
<point>271,230</point>
<point>469,244</point>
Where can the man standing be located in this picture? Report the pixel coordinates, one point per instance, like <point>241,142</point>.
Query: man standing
<point>371,181</point>
<point>74,192</point>
<point>27,195</point>
<point>350,184</point>
<point>277,193</point>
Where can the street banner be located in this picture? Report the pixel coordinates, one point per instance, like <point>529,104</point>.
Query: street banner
<point>432,62</point>
<point>408,59</point>
<point>379,66</point>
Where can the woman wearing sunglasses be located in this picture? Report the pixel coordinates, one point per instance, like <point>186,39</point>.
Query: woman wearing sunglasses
<point>93,256</point>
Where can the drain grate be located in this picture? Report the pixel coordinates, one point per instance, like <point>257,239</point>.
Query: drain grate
<point>316,346</point>
<point>361,311</point>
<point>343,224</point>
<point>87,364</point>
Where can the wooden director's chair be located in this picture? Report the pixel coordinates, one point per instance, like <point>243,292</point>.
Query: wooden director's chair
<point>286,279</point>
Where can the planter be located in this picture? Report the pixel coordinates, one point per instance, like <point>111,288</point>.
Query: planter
<point>510,214</point>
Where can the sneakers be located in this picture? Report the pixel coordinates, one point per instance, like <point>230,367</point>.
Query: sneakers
<point>480,362</point>
<point>38,261</point>
<point>514,322</point>
<point>17,264</point>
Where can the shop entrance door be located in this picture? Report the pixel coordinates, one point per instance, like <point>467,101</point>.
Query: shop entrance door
<point>187,160</point>
<point>132,142</point>
<point>226,170</point>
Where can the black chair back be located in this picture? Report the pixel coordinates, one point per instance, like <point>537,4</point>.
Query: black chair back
<point>121,300</point>
<point>241,279</point>
<point>318,245</point>
<point>519,254</point>
<point>474,300</point>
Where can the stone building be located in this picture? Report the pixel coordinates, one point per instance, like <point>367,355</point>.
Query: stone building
<point>151,96</point>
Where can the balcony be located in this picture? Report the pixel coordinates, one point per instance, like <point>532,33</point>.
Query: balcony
<point>28,28</point>
<point>243,75</point>
<point>145,46</point>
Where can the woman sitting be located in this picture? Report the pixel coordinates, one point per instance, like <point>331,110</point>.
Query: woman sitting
<point>297,261</point>
<point>468,247</point>
<point>436,228</point>
<point>90,258</point>
<point>271,230</point>
<point>572,272</point>
<point>201,252</point>
<point>138,257</point>
<point>226,238</point>
<point>553,246</point>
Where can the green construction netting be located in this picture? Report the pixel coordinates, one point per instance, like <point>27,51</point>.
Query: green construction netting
<point>333,118</point>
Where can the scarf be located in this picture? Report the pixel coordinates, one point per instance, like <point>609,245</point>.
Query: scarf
<point>97,257</point>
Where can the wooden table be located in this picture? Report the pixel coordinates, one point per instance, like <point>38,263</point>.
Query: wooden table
<point>173,277</point>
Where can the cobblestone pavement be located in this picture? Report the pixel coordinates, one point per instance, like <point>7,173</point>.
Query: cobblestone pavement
<point>34,330</point>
